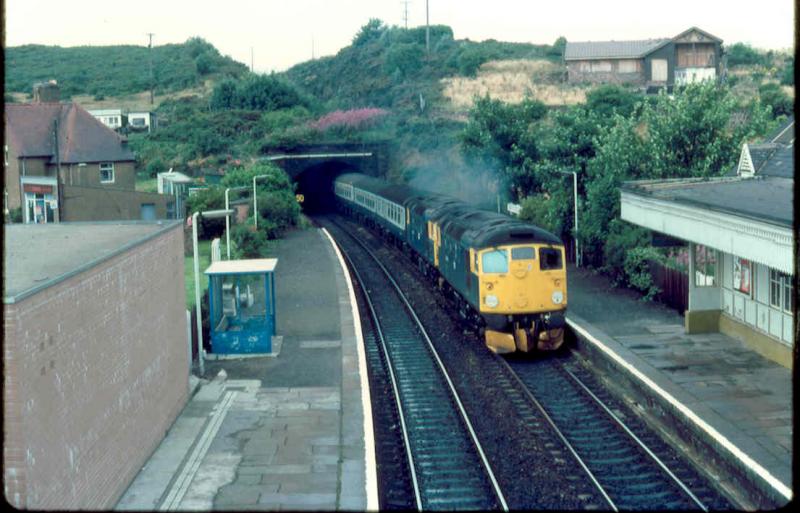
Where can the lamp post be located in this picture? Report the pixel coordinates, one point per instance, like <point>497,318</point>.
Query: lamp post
<point>575,211</point>
<point>255,200</point>
<point>228,218</point>
<point>209,214</point>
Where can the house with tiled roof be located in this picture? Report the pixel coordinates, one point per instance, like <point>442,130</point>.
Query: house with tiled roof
<point>62,164</point>
<point>739,230</point>
<point>692,55</point>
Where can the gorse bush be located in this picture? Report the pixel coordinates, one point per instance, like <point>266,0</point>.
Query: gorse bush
<point>104,71</point>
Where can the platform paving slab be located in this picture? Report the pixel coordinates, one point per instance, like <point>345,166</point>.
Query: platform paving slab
<point>292,437</point>
<point>742,395</point>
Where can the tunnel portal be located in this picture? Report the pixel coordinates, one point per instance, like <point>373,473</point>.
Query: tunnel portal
<point>313,169</point>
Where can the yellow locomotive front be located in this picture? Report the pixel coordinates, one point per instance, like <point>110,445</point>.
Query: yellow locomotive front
<point>523,296</point>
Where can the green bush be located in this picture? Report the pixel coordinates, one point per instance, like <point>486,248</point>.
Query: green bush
<point>742,54</point>
<point>637,270</point>
<point>15,215</point>
<point>248,242</point>
<point>778,101</point>
<point>536,210</point>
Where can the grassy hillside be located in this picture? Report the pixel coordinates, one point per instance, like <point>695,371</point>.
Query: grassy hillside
<point>389,67</point>
<point>105,71</point>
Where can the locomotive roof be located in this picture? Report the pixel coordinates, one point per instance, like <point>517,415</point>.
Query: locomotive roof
<point>475,227</point>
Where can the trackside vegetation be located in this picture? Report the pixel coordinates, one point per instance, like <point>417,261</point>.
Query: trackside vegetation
<point>387,87</point>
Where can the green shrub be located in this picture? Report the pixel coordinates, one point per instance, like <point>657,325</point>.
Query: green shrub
<point>778,101</point>
<point>15,215</point>
<point>637,270</point>
<point>247,242</point>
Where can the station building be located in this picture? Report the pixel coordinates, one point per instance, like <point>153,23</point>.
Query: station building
<point>739,231</point>
<point>95,357</point>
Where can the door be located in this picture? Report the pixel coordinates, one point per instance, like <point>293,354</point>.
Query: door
<point>658,70</point>
<point>148,211</point>
<point>38,208</point>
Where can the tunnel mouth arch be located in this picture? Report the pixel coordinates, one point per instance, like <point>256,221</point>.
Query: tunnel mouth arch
<point>315,184</point>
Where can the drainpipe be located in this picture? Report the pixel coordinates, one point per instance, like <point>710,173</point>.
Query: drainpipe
<point>58,211</point>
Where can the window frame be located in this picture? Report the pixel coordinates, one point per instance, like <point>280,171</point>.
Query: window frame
<point>745,270</point>
<point>781,291</point>
<point>493,251</point>
<point>708,254</point>
<point>109,166</point>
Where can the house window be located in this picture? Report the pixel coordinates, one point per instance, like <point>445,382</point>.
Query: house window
<point>781,290</point>
<point>137,122</point>
<point>658,70</point>
<point>742,276</point>
<point>601,66</point>
<point>705,266</point>
<point>107,172</point>
<point>627,66</point>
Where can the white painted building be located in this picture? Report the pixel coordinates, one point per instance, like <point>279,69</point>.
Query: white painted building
<point>112,118</point>
<point>739,230</point>
<point>141,120</point>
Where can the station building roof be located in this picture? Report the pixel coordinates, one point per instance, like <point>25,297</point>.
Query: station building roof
<point>38,256</point>
<point>749,213</point>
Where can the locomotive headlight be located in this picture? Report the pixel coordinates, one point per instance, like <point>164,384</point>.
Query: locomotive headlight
<point>491,301</point>
<point>557,297</point>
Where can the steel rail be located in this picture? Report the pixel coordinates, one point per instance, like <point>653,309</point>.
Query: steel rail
<point>637,439</point>
<point>454,394</point>
<point>558,432</point>
<point>395,391</point>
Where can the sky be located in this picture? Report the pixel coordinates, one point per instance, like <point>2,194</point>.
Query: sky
<point>273,35</point>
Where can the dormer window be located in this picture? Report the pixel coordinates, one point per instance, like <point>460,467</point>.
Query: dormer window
<point>107,172</point>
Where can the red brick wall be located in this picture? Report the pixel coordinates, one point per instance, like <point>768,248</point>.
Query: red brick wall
<point>95,371</point>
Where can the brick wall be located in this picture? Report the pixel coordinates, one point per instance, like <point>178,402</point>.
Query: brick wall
<point>88,203</point>
<point>95,371</point>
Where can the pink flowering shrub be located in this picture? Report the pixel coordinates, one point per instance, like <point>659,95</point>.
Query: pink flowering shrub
<point>348,119</point>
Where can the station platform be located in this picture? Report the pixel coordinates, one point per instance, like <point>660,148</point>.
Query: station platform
<point>290,431</point>
<point>728,403</point>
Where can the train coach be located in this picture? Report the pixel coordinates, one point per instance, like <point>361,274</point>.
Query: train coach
<point>508,277</point>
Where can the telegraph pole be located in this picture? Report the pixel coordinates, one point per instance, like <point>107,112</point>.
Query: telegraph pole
<point>150,53</point>
<point>427,29</point>
<point>405,12</point>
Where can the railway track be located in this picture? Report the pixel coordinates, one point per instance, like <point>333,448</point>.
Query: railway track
<point>600,462</point>
<point>447,465</point>
<point>633,471</point>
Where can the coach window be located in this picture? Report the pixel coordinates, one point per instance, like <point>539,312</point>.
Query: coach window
<point>495,261</point>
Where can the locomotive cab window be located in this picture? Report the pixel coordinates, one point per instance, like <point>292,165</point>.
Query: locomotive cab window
<point>549,258</point>
<point>495,261</point>
<point>523,254</point>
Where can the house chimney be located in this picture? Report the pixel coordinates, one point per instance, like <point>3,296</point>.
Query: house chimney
<point>46,92</point>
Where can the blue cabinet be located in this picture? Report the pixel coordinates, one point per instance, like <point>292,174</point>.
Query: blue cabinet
<point>242,305</point>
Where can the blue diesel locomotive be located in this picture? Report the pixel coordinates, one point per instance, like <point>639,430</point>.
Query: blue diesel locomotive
<point>507,276</point>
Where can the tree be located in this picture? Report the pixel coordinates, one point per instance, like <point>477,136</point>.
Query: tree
<point>225,95</point>
<point>502,137</point>
<point>742,54</point>
<point>369,32</point>
<point>557,50</point>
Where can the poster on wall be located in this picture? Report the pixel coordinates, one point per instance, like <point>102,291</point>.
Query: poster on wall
<point>742,275</point>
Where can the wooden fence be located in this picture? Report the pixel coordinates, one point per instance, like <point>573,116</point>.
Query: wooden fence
<point>674,286</point>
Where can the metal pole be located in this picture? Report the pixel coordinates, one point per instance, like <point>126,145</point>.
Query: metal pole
<point>427,30</point>
<point>255,204</point>
<point>227,225</point>
<point>255,200</point>
<point>197,294</point>
<point>575,191</point>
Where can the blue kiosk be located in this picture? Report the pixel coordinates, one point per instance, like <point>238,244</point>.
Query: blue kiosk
<point>242,305</point>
